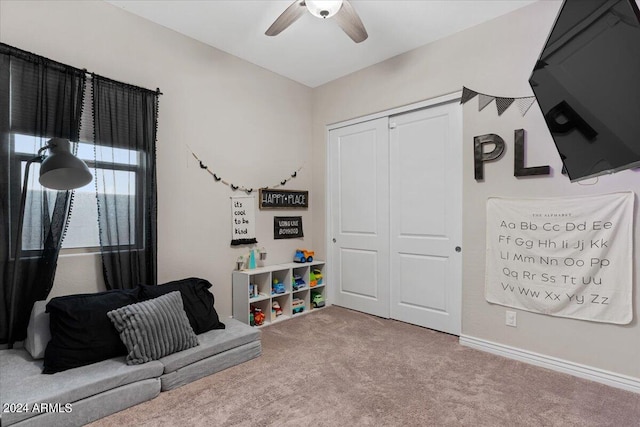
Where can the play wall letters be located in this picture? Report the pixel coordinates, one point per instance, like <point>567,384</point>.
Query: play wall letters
<point>519,169</point>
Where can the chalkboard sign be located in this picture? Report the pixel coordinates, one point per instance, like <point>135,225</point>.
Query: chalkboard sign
<point>281,199</point>
<point>287,227</point>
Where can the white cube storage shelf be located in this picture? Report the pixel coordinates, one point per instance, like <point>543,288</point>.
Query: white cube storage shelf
<point>262,278</point>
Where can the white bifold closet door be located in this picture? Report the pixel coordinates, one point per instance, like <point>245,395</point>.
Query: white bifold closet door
<point>426,217</point>
<point>360,216</point>
<point>396,216</point>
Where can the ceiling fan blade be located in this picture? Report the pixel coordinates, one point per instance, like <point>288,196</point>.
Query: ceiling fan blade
<point>288,17</point>
<point>350,22</point>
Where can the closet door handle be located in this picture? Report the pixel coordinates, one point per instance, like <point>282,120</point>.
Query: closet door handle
<point>458,249</point>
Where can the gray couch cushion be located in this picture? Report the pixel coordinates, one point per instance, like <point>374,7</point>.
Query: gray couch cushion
<point>211,365</point>
<point>212,342</point>
<point>154,328</point>
<point>23,382</point>
<point>95,407</point>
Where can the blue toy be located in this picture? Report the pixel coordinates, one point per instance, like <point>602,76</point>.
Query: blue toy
<point>277,287</point>
<point>298,283</point>
<point>303,255</point>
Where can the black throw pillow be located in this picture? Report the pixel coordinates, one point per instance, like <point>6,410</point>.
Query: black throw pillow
<point>81,332</point>
<point>196,298</point>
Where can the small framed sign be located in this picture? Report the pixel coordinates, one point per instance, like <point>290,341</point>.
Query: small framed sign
<point>287,227</point>
<point>283,199</point>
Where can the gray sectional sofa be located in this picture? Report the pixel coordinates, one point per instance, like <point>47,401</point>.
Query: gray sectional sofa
<point>84,394</point>
<point>80,395</point>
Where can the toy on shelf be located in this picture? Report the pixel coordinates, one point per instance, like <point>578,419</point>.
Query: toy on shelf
<point>298,283</point>
<point>317,300</point>
<point>253,290</point>
<point>276,308</point>
<point>258,315</point>
<point>317,274</point>
<point>312,279</point>
<point>303,255</point>
<point>297,306</point>
<point>277,287</point>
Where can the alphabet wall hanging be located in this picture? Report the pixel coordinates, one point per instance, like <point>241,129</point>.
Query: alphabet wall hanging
<point>562,256</point>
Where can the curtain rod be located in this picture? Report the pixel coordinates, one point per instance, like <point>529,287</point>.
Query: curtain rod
<point>107,79</point>
<point>33,57</point>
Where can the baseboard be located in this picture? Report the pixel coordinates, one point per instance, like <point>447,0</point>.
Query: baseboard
<point>582,371</point>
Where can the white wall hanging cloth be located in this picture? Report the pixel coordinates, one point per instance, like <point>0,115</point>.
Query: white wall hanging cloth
<point>567,257</point>
<point>243,213</point>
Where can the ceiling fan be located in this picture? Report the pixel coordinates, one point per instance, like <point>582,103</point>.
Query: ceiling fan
<point>344,13</point>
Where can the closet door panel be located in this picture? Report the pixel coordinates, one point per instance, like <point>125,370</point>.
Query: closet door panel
<point>359,171</point>
<point>425,217</point>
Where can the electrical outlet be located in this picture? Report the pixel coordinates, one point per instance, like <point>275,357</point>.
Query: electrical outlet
<point>510,319</point>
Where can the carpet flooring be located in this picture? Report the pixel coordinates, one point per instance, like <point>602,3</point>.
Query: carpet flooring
<point>337,367</point>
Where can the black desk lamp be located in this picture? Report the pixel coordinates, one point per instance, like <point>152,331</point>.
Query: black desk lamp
<point>60,170</point>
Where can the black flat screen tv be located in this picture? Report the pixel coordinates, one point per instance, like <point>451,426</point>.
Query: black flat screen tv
<point>587,83</point>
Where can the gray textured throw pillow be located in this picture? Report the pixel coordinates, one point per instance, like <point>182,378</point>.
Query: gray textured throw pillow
<point>154,328</point>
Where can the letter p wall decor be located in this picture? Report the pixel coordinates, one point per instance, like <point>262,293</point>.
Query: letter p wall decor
<point>480,155</point>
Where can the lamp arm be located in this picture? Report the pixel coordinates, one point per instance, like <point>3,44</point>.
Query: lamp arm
<point>18,245</point>
<point>42,149</point>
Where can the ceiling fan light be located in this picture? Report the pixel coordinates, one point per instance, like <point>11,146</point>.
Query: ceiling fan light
<point>323,8</point>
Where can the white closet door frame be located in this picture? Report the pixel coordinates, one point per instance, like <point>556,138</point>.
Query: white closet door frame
<point>328,220</point>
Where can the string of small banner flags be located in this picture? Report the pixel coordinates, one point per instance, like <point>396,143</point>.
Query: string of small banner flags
<point>235,187</point>
<point>502,103</point>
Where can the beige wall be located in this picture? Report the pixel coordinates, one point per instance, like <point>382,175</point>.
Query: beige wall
<point>494,58</point>
<point>249,125</point>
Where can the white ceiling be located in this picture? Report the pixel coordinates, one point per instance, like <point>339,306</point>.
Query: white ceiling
<point>313,51</point>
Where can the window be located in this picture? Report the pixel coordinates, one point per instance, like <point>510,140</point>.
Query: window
<point>119,178</point>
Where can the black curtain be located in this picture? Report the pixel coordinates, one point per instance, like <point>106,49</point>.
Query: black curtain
<point>125,127</point>
<point>39,99</point>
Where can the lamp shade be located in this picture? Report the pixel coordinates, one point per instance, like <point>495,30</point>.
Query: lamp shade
<point>61,170</point>
<point>323,8</point>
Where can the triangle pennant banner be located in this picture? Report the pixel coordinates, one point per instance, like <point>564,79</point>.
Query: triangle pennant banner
<point>484,100</point>
<point>524,104</point>
<point>467,94</point>
<point>502,104</point>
